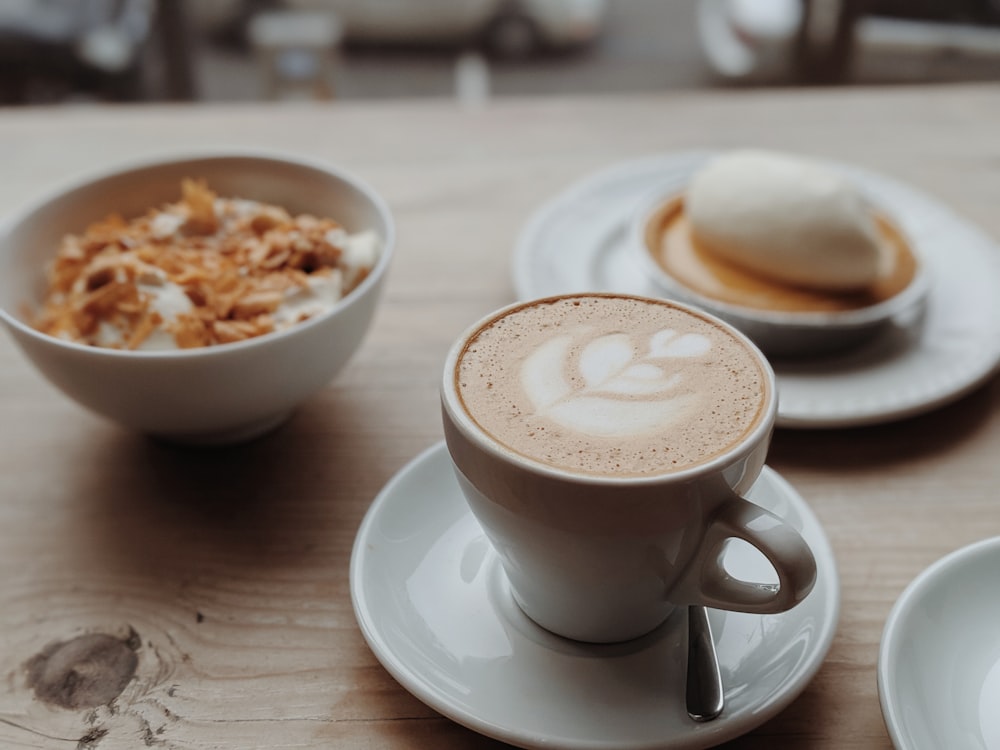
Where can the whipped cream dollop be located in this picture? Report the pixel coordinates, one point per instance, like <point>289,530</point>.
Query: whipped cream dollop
<point>788,219</point>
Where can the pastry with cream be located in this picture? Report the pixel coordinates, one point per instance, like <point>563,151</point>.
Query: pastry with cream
<point>778,232</point>
<point>788,219</point>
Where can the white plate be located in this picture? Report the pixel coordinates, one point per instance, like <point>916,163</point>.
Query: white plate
<point>939,661</point>
<point>434,606</point>
<point>578,242</point>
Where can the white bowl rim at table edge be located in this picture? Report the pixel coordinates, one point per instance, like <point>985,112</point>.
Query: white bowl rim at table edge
<point>939,657</point>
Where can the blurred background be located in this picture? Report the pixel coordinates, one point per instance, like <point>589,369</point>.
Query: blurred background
<point>82,51</point>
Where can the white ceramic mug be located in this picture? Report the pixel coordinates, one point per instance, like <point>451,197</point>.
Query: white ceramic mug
<point>606,559</point>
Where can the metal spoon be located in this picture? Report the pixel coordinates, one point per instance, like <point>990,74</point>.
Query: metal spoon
<point>705,698</point>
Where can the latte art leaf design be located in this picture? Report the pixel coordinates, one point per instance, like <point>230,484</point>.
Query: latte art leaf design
<point>602,359</point>
<point>610,392</point>
<point>668,344</point>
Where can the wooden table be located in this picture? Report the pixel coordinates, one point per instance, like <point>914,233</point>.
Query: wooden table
<point>225,572</point>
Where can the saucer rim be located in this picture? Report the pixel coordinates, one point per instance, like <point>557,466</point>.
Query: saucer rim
<point>900,615</point>
<point>941,386</point>
<point>702,736</point>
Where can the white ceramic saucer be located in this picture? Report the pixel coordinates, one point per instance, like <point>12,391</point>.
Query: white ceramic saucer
<point>578,242</point>
<point>939,661</point>
<point>434,606</point>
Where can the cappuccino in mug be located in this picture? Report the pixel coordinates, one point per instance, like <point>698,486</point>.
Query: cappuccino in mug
<point>604,442</point>
<point>611,385</point>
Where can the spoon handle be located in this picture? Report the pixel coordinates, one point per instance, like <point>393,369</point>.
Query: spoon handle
<point>705,698</point>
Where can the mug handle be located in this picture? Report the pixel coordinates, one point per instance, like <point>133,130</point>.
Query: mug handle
<point>710,585</point>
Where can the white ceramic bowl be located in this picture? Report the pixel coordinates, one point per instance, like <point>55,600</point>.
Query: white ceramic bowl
<point>781,333</point>
<point>217,394</point>
<point>939,660</point>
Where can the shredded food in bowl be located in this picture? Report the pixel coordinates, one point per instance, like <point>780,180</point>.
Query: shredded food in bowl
<point>200,272</point>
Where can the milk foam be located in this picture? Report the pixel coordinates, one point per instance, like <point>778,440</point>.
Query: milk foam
<point>617,393</point>
<point>611,385</point>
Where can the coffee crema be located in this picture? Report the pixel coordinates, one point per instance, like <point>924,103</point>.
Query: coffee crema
<point>611,385</point>
<point>669,240</point>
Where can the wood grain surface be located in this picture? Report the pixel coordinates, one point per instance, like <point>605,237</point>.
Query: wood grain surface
<point>209,590</point>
